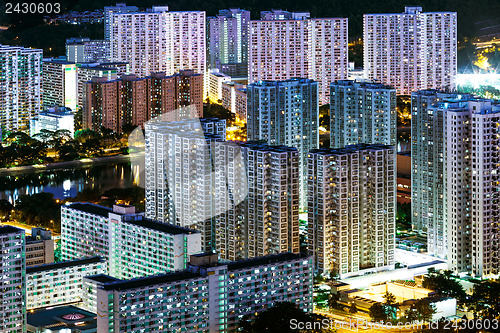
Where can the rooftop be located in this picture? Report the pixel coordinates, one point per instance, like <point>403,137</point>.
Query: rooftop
<point>91,209</point>
<point>271,259</point>
<point>62,317</point>
<point>102,278</point>
<point>149,281</point>
<point>63,264</point>
<point>158,226</point>
<point>7,229</point>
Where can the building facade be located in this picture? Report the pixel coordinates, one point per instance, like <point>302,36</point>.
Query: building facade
<point>131,100</point>
<point>132,244</point>
<point>13,281</point>
<point>227,35</point>
<point>54,119</point>
<point>110,10</point>
<point>20,86</point>
<point>285,113</point>
<point>60,283</point>
<point>362,113</point>
<point>298,47</point>
<point>215,82</point>
<point>59,83</point>
<point>80,50</point>
<point>39,247</point>
<point>352,209</point>
<point>411,51</point>
<point>214,296</point>
<point>257,200</point>
<point>179,175</point>
<point>158,40</point>
<point>234,98</point>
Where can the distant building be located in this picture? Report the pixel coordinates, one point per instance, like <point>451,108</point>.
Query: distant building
<point>227,35</point>
<point>234,98</point>
<point>13,281</point>
<point>411,51</point>
<point>53,119</point>
<point>110,10</point>
<point>60,283</point>
<point>80,50</point>
<point>20,87</point>
<point>158,40</point>
<point>131,100</point>
<point>62,319</point>
<point>59,83</point>
<point>287,45</point>
<point>215,81</point>
<point>404,177</point>
<point>352,209</point>
<point>285,113</point>
<point>124,307</point>
<point>119,236</point>
<point>39,247</point>
<point>85,73</point>
<point>362,113</point>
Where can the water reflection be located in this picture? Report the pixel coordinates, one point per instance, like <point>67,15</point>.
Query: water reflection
<point>67,183</point>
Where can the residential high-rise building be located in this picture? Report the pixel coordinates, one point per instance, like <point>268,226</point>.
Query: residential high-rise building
<point>278,14</point>
<point>207,297</point>
<point>215,81</point>
<point>81,50</point>
<point>411,51</point>
<point>86,72</point>
<point>132,245</point>
<point>455,155</point>
<point>256,199</point>
<point>362,113</point>
<point>285,113</point>
<point>110,10</point>
<point>227,35</point>
<point>179,173</point>
<point>59,83</point>
<point>20,86</point>
<point>13,281</point>
<point>131,100</point>
<point>60,283</point>
<point>234,98</point>
<point>158,40</point>
<point>298,47</point>
<point>352,209</point>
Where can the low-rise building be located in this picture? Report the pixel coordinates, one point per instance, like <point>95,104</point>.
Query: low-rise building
<point>59,283</point>
<point>215,81</point>
<point>62,319</point>
<point>132,244</point>
<point>39,247</point>
<point>208,296</point>
<point>54,119</point>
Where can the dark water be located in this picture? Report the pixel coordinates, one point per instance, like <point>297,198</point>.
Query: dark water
<point>67,183</point>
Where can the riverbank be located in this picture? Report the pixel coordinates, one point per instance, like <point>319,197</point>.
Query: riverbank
<point>66,165</point>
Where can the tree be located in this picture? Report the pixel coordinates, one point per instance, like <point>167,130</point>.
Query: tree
<point>378,312</point>
<point>444,285</point>
<point>333,302</point>
<point>425,310</point>
<point>279,319</point>
<point>390,299</point>
<point>485,300</point>
<point>218,111</point>
<point>411,314</point>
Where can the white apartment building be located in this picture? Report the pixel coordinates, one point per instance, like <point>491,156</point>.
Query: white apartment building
<point>110,10</point>
<point>20,86</point>
<point>455,165</point>
<point>80,50</point>
<point>282,49</point>
<point>411,51</point>
<point>158,40</point>
<point>59,83</point>
<point>260,216</point>
<point>234,98</point>
<point>362,112</point>
<point>207,297</point>
<point>60,283</point>
<point>179,175</point>
<point>13,281</point>
<point>227,35</point>
<point>352,209</point>
<point>85,73</point>
<point>215,82</point>
<point>285,113</point>
<point>53,119</point>
<point>132,244</point>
